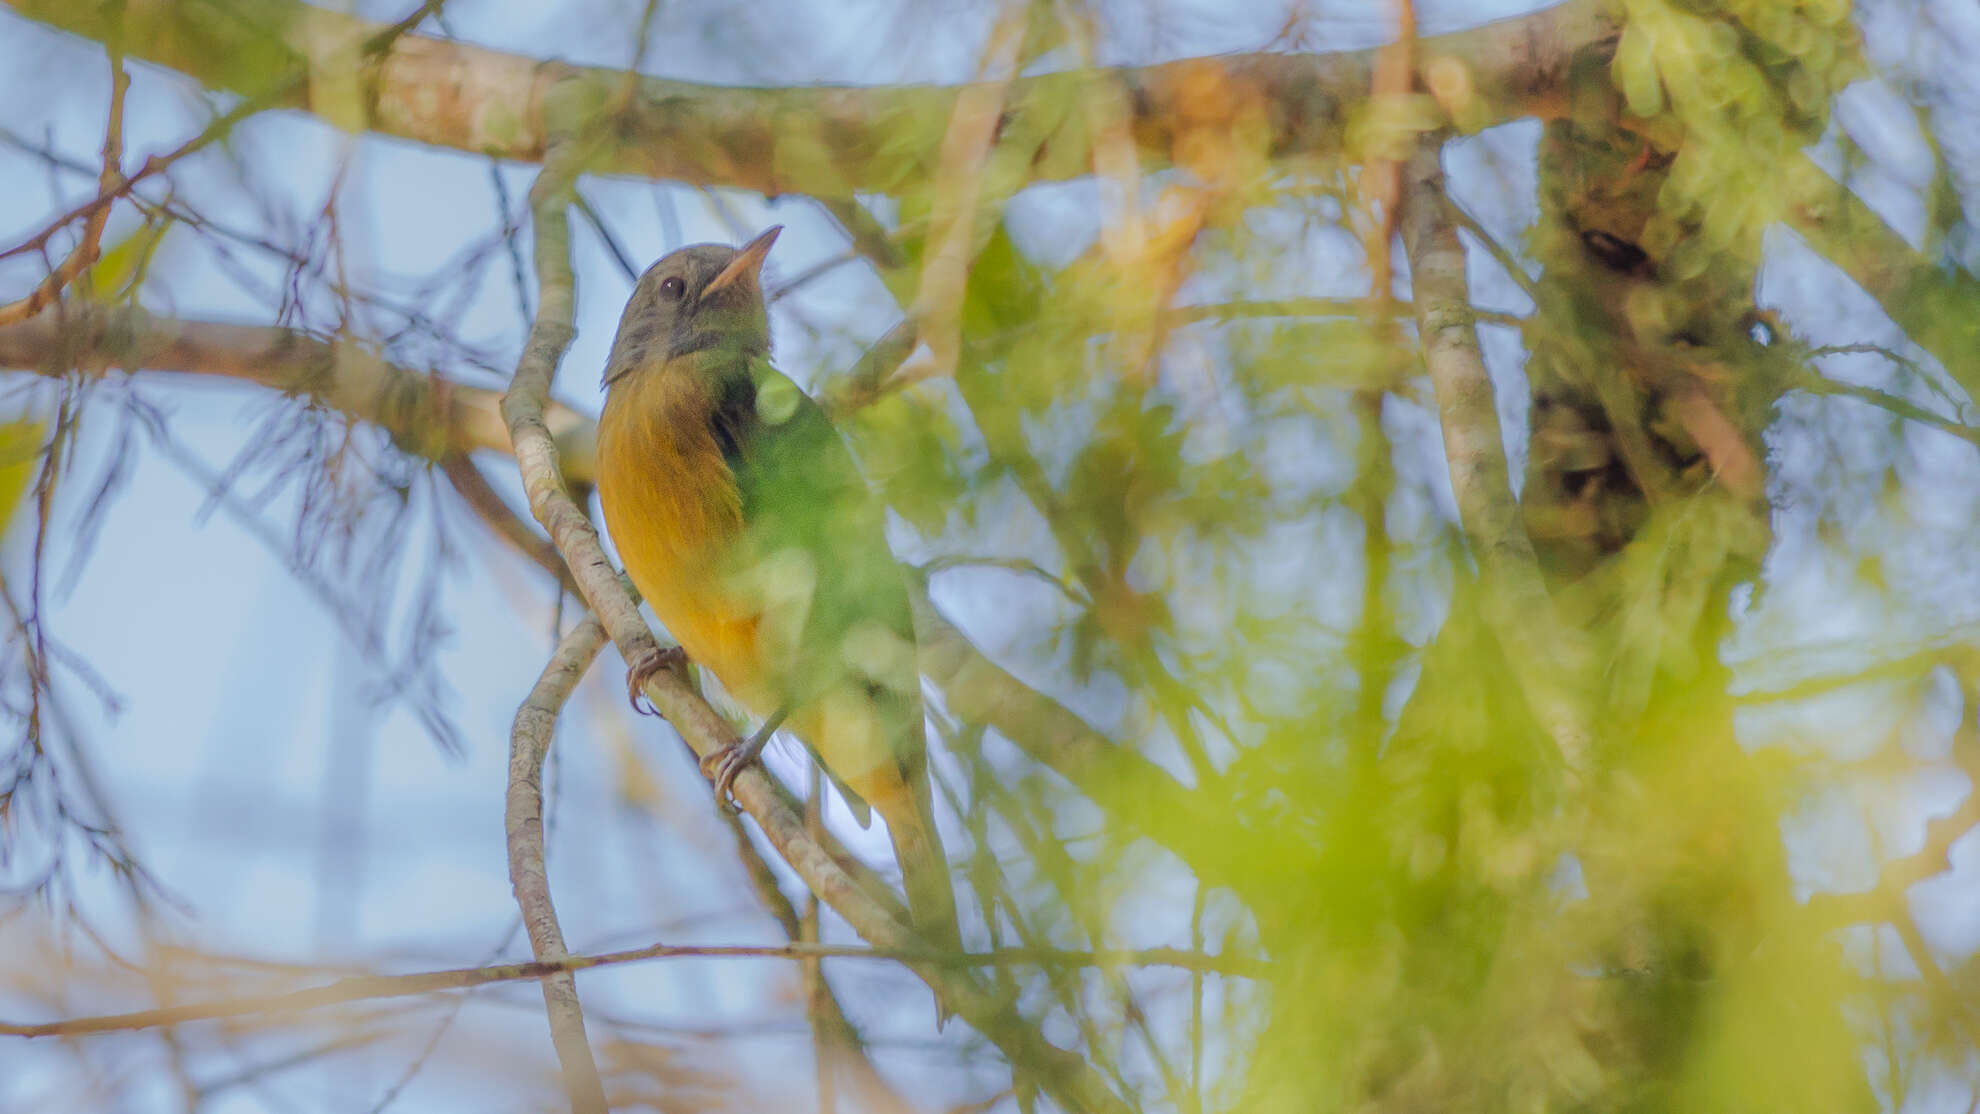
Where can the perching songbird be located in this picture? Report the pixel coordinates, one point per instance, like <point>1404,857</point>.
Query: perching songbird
<point>744,522</point>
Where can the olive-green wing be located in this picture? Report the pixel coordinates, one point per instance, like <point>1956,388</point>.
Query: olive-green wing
<point>816,541</point>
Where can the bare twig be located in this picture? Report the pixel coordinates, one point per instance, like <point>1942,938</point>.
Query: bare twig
<point>118,29</point>
<point>1501,254</point>
<point>1897,405</point>
<point>828,1017</point>
<point>1885,902</point>
<point>369,987</point>
<point>110,184</point>
<point>873,375</point>
<point>1381,181</point>
<point>529,742</point>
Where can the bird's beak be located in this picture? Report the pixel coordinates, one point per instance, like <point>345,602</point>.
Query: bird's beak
<point>747,263</point>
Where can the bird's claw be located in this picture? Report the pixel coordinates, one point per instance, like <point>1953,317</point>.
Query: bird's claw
<point>722,766</point>
<point>642,671</point>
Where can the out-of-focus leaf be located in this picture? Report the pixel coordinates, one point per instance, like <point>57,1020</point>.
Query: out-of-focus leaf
<point>20,445</point>
<point>904,441</point>
<point>120,269</point>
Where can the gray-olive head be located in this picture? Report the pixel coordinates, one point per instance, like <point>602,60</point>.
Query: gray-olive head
<point>701,298</point>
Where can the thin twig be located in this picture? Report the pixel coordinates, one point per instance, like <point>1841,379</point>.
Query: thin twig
<point>370,987</point>
<point>110,184</point>
<point>1897,405</point>
<point>811,274</point>
<point>1500,254</point>
<point>93,210</point>
<point>1311,307</point>
<point>529,742</point>
<point>597,222</point>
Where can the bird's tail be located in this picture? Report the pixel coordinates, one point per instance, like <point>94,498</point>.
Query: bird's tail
<point>924,872</point>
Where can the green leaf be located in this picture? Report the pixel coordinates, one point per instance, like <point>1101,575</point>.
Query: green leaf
<point>20,446</point>
<point>119,269</point>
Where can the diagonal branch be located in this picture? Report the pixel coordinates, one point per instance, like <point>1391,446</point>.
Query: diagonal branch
<point>1060,1073</point>
<point>1520,609</point>
<point>1134,789</point>
<point>1933,304</point>
<point>529,742</point>
<point>494,513</point>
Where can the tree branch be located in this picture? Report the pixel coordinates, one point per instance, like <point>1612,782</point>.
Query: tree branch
<point>1933,304</point>
<point>440,420</point>
<point>1063,1074</point>
<point>425,415</point>
<point>109,185</point>
<point>1136,791</point>
<point>829,141</point>
<point>1521,611</point>
<point>488,505</point>
<point>529,742</point>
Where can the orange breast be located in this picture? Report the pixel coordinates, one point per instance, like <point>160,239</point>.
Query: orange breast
<point>673,510</point>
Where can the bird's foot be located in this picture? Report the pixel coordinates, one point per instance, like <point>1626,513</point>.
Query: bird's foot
<point>642,671</point>
<point>723,765</point>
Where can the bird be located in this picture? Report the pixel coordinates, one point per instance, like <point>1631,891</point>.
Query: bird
<point>743,520</point>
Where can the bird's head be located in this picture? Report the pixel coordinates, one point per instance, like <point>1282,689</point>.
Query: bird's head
<point>704,298</point>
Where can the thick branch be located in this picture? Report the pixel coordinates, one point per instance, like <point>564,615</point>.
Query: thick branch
<point>1062,1074</point>
<point>529,742</point>
<point>1521,611</point>
<point>826,140</point>
<point>425,416</point>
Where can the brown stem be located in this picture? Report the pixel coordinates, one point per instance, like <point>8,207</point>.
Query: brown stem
<point>488,505</point>
<point>529,742</point>
<point>109,186</point>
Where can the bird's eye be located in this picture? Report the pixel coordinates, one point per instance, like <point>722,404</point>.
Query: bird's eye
<point>672,288</point>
